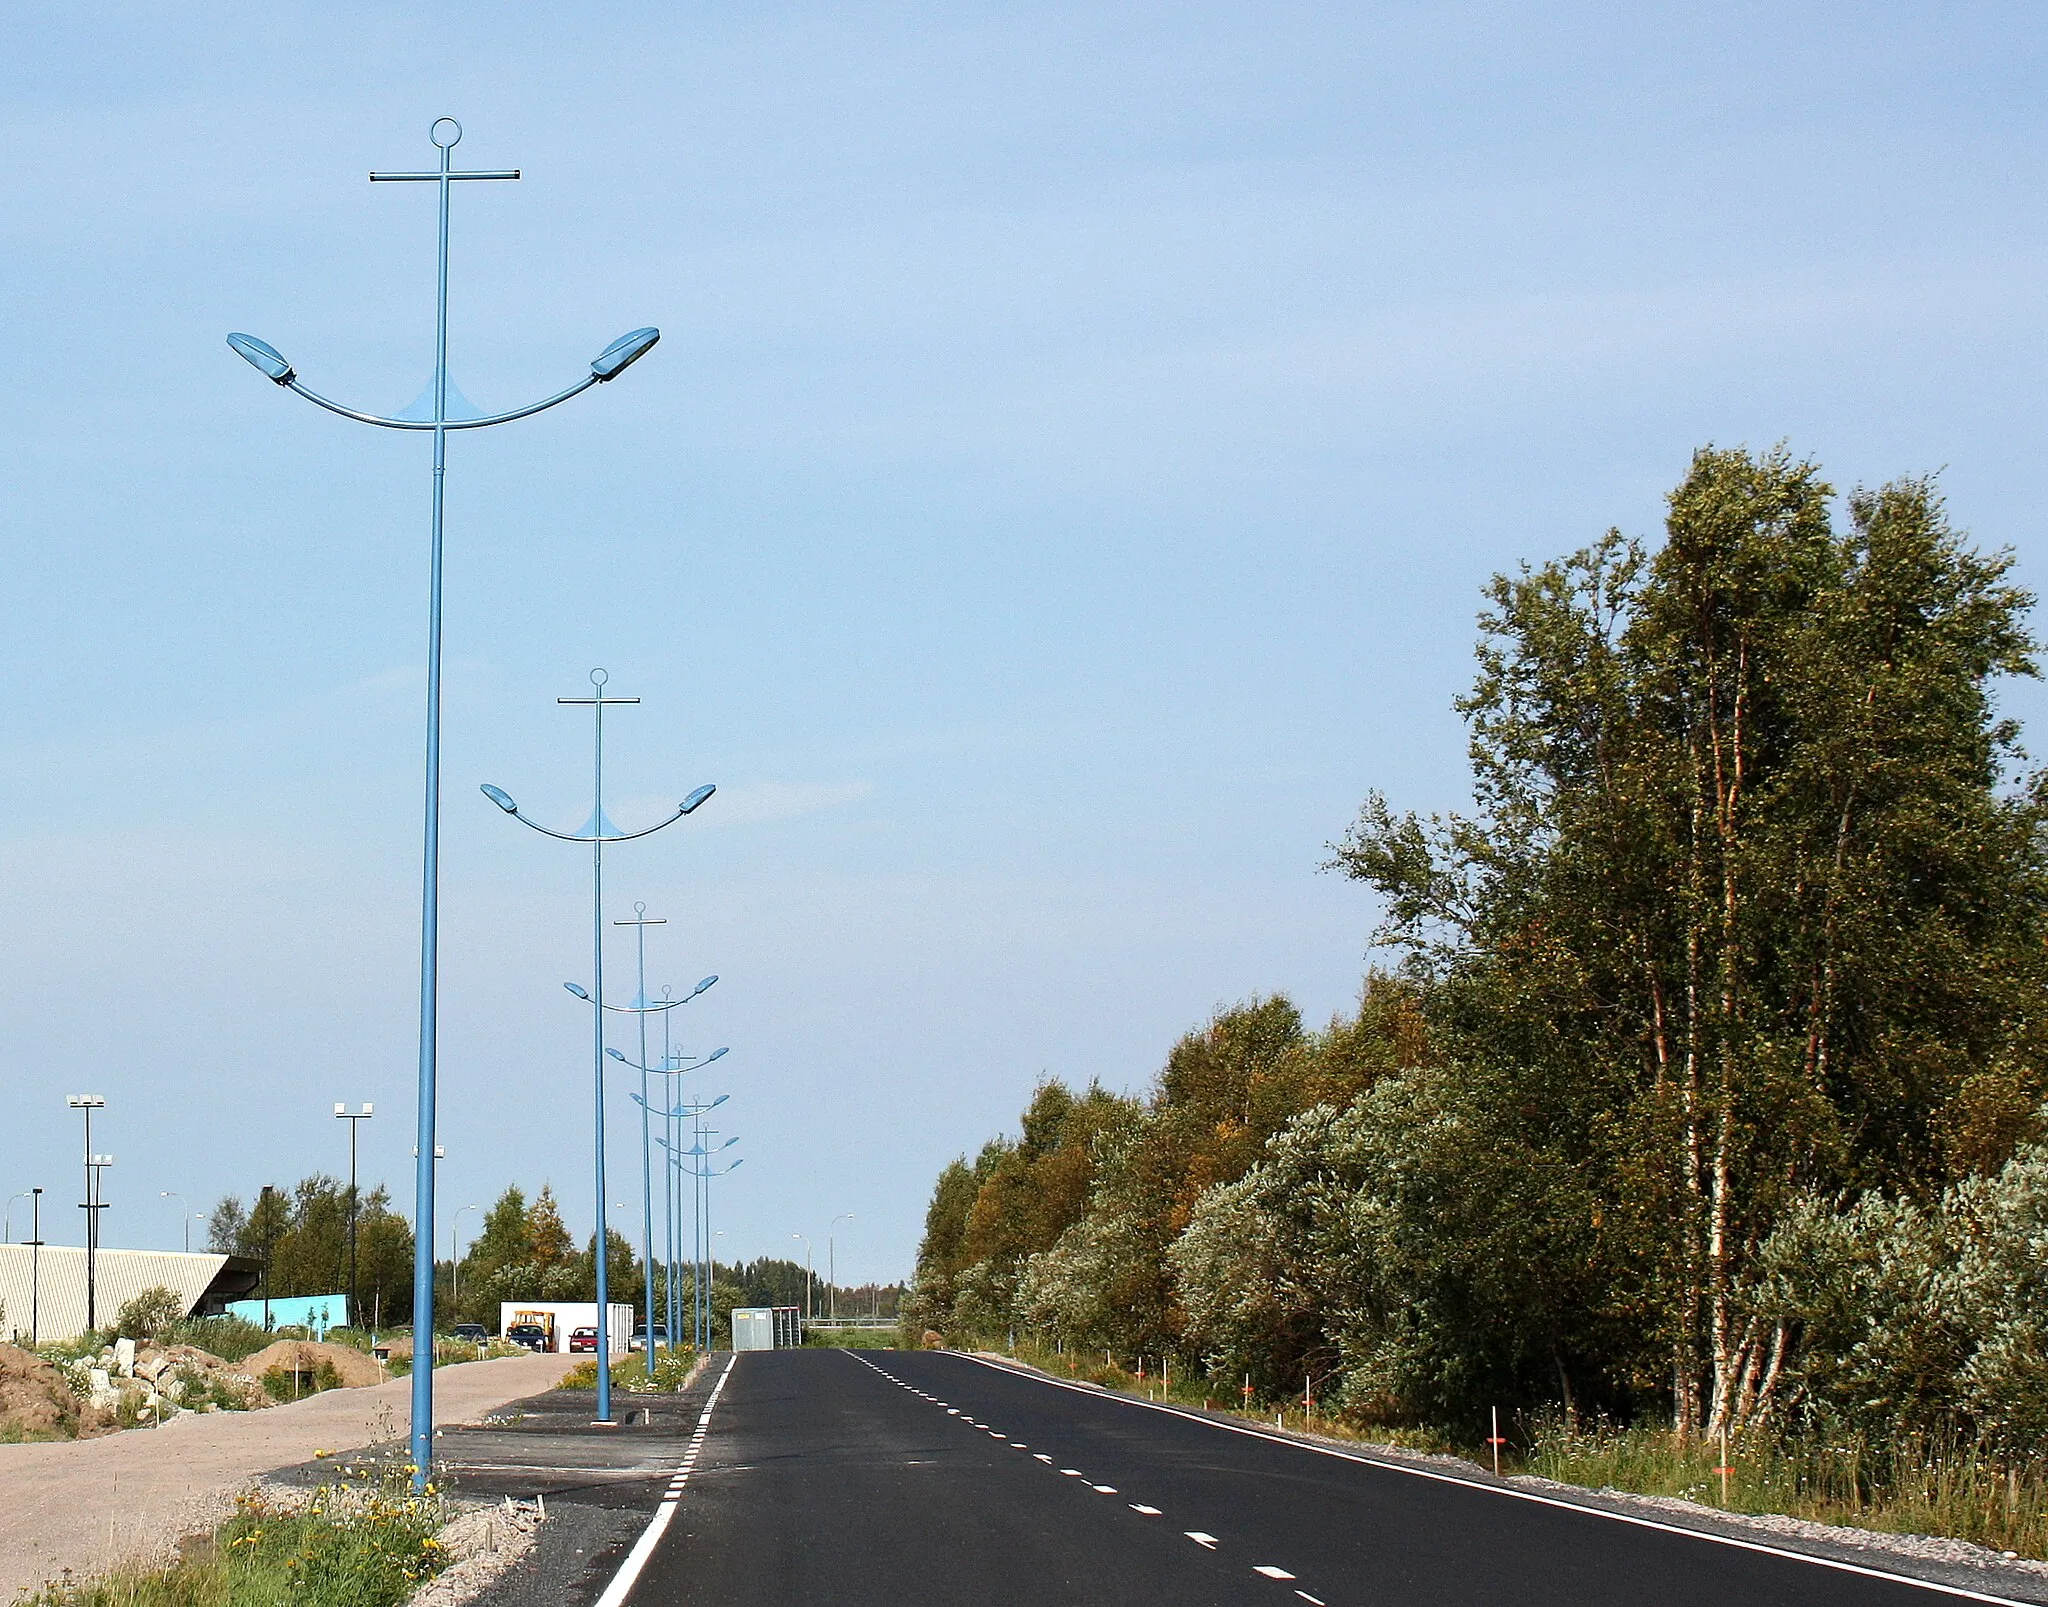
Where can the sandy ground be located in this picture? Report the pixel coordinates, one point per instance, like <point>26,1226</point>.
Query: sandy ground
<point>86,1505</point>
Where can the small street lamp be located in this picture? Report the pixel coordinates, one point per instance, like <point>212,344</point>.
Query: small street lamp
<point>184,1213</point>
<point>455,1260</point>
<point>613,361</point>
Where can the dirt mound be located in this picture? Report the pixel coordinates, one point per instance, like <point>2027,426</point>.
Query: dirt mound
<point>304,1356</point>
<point>36,1403</point>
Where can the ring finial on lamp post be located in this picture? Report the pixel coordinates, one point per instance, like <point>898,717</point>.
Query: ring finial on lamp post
<point>444,134</point>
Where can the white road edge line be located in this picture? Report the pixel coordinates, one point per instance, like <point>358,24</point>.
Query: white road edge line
<point>1249,1432</point>
<point>628,1575</point>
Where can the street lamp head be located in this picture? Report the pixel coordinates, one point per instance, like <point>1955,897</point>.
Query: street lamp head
<point>617,1056</point>
<point>690,803</point>
<point>577,989</point>
<point>718,1054</point>
<point>265,357</point>
<point>721,1099</point>
<point>608,364</point>
<point>341,1110</point>
<point>701,986</point>
<point>500,797</point>
<point>84,1101</point>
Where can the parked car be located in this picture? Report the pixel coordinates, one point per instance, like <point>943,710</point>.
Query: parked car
<point>639,1339</point>
<point>583,1339</point>
<point>530,1334</point>
<point>475,1332</point>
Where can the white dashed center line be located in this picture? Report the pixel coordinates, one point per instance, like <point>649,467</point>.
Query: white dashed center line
<point>1207,1541</point>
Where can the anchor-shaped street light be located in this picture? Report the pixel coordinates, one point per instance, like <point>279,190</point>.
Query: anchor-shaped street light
<point>704,1318</point>
<point>597,831</point>
<point>613,361</point>
<point>672,1120</point>
<point>673,1065</point>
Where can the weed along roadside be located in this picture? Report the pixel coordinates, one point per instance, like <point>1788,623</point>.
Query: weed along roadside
<point>183,1480</point>
<point>1916,1497</point>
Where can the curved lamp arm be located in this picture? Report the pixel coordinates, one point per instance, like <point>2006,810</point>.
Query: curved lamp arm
<point>666,1071</point>
<point>293,384</point>
<point>688,806</point>
<point>582,993</point>
<point>607,365</point>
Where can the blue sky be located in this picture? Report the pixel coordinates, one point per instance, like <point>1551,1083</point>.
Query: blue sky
<point>1063,488</point>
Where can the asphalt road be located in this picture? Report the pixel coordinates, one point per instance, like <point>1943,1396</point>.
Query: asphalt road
<point>901,1478</point>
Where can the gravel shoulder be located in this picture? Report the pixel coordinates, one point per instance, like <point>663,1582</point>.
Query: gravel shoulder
<point>88,1505</point>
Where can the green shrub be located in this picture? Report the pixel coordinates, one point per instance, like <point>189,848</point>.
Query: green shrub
<point>230,1338</point>
<point>349,1546</point>
<point>150,1313</point>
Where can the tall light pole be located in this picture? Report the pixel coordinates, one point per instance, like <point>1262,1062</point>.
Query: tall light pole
<point>640,922</point>
<point>672,1065</point>
<point>597,831</point>
<point>184,1213</point>
<point>807,1274</point>
<point>88,1103</point>
<point>695,1162</point>
<point>613,361</point>
<point>832,1265</point>
<point>355,1119</point>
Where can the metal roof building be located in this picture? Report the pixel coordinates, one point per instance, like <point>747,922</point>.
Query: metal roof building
<point>52,1294</point>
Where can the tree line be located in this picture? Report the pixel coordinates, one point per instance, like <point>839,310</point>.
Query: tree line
<point>1707,1084</point>
<point>523,1250</point>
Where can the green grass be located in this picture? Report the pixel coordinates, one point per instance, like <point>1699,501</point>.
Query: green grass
<point>853,1338</point>
<point>1910,1486</point>
<point>629,1373</point>
<point>352,1546</point>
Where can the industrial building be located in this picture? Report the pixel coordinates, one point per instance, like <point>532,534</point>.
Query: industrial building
<point>43,1291</point>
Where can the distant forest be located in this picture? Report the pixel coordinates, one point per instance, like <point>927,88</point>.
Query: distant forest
<point>1702,1083</point>
<point>522,1251</point>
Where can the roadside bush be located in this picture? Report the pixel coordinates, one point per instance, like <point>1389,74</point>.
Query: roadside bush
<point>229,1338</point>
<point>150,1313</point>
<point>347,1546</point>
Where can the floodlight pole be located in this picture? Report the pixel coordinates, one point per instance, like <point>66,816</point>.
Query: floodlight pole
<point>88,1103</point>
<point>608,365</point>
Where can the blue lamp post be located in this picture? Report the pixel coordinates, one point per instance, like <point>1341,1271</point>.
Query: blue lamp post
<point>672,1065</point>
<point>597,831</point>
<point>696,1162</point>
<point>613,361</point>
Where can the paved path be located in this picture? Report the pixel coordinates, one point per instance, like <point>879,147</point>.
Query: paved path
<point>88,1504</point>
<point>889,1478</point>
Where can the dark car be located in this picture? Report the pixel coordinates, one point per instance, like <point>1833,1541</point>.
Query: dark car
<point>475,1332</point>
<point>583,1339</point>
<point>530,1334</point>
